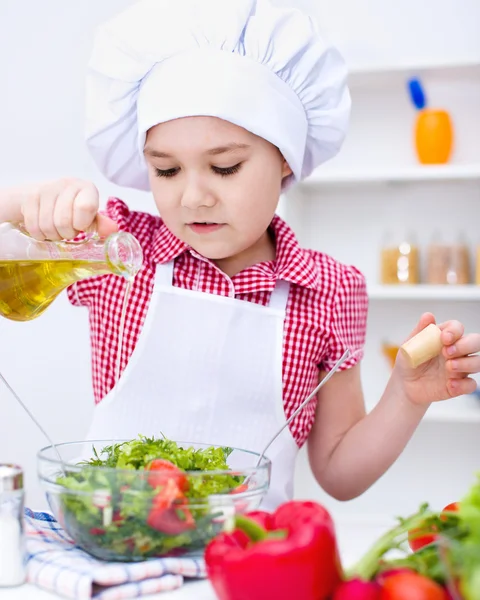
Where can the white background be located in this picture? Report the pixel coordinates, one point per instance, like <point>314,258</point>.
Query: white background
<point>44,48</point>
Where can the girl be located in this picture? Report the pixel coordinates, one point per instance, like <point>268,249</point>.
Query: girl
<point>217,107</point>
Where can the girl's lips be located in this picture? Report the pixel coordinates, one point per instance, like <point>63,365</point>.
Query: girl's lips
<point>204,227</point>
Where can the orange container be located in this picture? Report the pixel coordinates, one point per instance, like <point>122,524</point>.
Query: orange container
<point>433,136</point>
<point>390,353</point>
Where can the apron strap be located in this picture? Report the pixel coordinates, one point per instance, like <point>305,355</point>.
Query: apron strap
<point>279,297</point>
<point>164,274</point>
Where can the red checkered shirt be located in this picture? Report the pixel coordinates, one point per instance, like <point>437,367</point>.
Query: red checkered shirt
<point>326,310</point>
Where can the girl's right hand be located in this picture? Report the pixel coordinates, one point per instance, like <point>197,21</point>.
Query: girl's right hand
<point>61,209</point>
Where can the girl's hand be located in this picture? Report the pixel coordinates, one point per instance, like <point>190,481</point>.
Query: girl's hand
<point>62,209</point>
<point>447,375</point>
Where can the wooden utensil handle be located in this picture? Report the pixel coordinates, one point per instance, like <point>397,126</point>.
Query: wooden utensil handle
<point>423,346</point>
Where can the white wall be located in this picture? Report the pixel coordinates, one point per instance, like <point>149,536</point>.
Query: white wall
<point>353,222</point>
<point>47,361</point>
<point>43,52</point>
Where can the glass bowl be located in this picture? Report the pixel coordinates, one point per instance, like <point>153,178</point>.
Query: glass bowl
<point>130,514</point>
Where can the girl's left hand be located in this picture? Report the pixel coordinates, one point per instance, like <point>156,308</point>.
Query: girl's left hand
<point>447,375</point>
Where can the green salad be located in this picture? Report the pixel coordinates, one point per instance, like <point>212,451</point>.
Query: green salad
<point>146,500</point>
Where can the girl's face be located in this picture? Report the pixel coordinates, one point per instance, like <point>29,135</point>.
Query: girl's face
<point>216,185</point>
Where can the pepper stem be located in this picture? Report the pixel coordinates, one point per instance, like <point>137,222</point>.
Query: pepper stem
<point>368,565</point>
<point>254,531</point>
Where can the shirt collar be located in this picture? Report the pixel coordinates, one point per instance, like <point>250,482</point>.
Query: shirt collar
<point>166,246</point>
<point>293,263</point>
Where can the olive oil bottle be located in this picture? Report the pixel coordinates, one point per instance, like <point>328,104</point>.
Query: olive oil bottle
<point>33,273</point>
<point>28,287</point>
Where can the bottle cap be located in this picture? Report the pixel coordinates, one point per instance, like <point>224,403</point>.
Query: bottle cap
<point>11,477</point>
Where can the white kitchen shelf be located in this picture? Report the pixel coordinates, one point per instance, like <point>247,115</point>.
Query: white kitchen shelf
<point>413,173</point>
<point>405,67</point>
<point>424,292</point>
<point>464,409</point>
<point>362,75</point>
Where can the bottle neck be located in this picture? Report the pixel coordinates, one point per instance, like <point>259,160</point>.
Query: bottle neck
<point>120,253</point>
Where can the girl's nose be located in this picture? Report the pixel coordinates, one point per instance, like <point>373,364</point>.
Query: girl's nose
<point>195,196</point>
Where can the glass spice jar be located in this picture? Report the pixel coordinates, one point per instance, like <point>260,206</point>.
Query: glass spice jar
<point>12,540</point>
<point>400,263</point>
<point>448,264</point>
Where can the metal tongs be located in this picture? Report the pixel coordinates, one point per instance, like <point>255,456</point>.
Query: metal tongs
<point>18,399</point>
<point>335,368</point>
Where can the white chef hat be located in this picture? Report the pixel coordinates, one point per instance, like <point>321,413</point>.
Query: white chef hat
<point>264,68</point>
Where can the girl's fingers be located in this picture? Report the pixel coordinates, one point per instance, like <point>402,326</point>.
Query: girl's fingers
<point>85,207</point>
<point>458,387</point>
<point>63,215</point>
<point>48,200</point>
<point>30,210</point>
<point>466,364</point>
<point>469,344</point>
<point>452,331</point>
<point>105,226</point>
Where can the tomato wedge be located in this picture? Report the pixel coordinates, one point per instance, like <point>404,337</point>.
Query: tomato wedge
<point>172,521</point>
<point>422,536</point>
<point>169,512</point>
<point>161,471</point>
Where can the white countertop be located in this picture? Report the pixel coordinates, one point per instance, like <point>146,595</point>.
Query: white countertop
<point>354,536</point>
<point>190,591</point>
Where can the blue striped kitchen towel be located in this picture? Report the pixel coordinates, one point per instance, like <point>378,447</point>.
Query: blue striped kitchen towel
<point>57,565</point>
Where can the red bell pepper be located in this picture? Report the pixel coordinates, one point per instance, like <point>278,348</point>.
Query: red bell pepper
<point>291,554</point>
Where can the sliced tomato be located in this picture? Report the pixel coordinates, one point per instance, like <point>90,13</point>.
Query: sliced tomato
<point>240,489</point>
<point>117,518</point>
<point>417,539</point>
<point>422,536</point>
<point>169,512</point>
<point>173,521</point>
<point>161,470</point>
<point>411,586</point>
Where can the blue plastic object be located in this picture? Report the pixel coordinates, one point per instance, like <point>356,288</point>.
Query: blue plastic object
<point>417,93</point>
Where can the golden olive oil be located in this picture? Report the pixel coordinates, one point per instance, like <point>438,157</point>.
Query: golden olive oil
<point>28,287</point>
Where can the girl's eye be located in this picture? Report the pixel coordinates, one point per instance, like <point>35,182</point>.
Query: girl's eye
<point>165,172</point>
<point>224,172</point>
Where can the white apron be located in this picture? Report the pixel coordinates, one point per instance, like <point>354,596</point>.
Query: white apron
<point>206,369</point>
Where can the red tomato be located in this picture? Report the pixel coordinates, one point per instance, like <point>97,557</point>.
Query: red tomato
<point>163,471</point>
<point>240,489</point>
<point>169,513</point>
<point>383,575</point>
<point>453,507</point>
<point>411,586</point>
<point>173,521</point>
<point>117,517</point>
<point>420,537</point>
<point>417,540</point>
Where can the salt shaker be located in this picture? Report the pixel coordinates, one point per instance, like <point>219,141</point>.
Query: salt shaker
<point>12,536</point>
